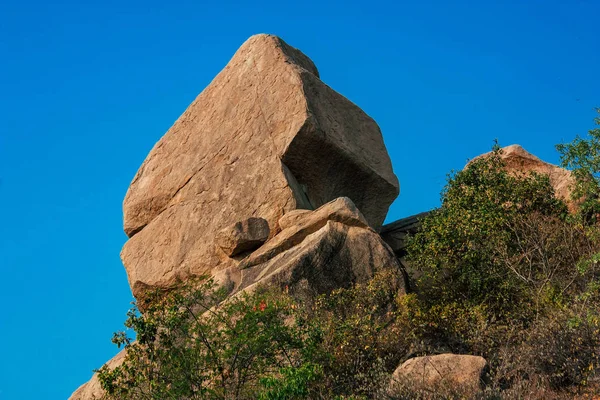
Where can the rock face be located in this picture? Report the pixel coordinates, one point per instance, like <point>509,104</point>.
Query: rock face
<point>520,162</point>
<point>329,248</point>
<point>266,137</point>
<point>443,373</point>
<point>243,236</point>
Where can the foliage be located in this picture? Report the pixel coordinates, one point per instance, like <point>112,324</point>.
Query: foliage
<point>194,344</point>
<point>364,334</point>
<point>462,247</point>
<point>500,270</point>
<point>582,156</point>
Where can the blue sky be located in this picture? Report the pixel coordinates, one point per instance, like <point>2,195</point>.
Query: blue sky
<point>89,87</point>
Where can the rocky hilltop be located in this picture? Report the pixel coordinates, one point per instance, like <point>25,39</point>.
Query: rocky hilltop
<point>271,177</point>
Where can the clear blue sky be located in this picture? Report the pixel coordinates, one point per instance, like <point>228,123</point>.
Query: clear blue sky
<point>88,88</point>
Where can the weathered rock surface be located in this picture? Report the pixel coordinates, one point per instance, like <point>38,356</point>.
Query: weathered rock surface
<point>442,373</point>
<point>325,249</point>
<point>291,218</point>
<point>266,137</point>
<point>520,162</point>
<point>243,236</point>
<point>92,389</point>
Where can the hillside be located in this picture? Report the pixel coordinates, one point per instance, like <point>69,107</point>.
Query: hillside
<point>261,268</point>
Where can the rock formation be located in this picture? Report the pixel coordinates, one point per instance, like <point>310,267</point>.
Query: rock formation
<point>396,233</point>
<point>265,138</point>
<point>442,374</point>
<point>325,249</point>
<point>269,177</point>
<point>520,162</point>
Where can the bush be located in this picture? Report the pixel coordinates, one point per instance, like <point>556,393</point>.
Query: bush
<point>582,156</point>
<point>194,344</point>
<point>501,270</point>
<point>462,250</point>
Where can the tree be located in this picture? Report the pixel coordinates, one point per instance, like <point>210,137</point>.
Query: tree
<point>462,247</point>
<point>582,156</point>
<point>192,344</point>
<point>197,343</point>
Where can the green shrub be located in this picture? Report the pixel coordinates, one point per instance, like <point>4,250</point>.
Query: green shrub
<point>582,156</point>
<point>191,344</point>
<point>501,271</point>
<point>462,250</point>
<point>194,344</point>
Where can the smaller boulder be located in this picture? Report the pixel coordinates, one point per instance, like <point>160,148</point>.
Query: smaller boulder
<point>320,251</point>
<point>300,225</point>
<point>442,374</point>
<point>243,236</point>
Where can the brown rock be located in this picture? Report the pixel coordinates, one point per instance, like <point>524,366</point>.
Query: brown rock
<point>92,389</point>
<point>340,210</point>
<point>264,138</point>
<point>291,218</point>
<point>329,248</point>
<point>520,162</point>
<point>440,374</point>
<point>243,236</point>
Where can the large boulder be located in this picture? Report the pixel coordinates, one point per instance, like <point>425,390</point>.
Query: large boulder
<point>266,137</point>
<point>442,374</point>
<point>519,162</point>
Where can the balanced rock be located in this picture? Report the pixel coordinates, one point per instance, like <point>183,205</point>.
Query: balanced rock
<point>450,374</point>
<point>243,236</point>
<point>266,137</point>
<point>519,162</point>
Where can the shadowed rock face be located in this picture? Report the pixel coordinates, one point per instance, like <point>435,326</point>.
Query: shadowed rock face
<point>322,250</point>
<point>264,138</point>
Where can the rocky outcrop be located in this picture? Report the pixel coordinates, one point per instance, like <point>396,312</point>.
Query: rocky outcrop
<point>266,137</point>
<point>450,374</point>
<point>269,177</point>
<point>326,249</point>
<point>317,251</point>
<point>519,162</point>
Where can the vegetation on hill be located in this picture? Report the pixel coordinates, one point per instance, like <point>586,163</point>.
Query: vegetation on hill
<point>500,270</point>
